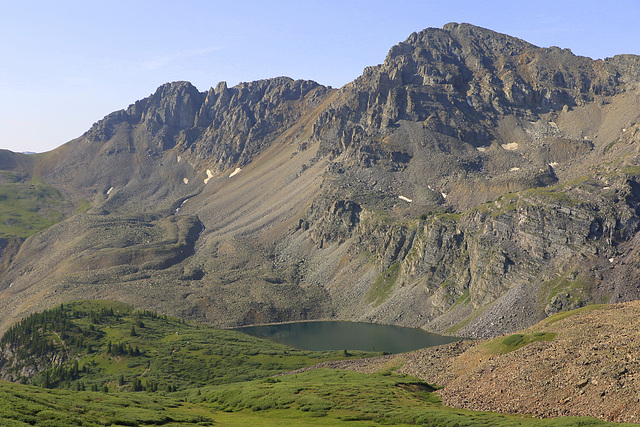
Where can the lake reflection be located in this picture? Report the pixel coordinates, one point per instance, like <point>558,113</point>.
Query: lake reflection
<point>348,336</point>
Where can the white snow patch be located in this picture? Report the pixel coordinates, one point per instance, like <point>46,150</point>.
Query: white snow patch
<point>611,260</point>
<point>510,146</point>
<point>483,148</point>
<point>185,180</point>
<point>469,102</point>
<point>429,187</point>
<point>181,205</point>
<point>514,169</point>
<point>624,130</point>
<point>606,188</point>
<point>553,125</point>
<point>444,195</point>
<point>209,176</point>
<point>179,158</point>
<point>406,199</point>
<point>553,164</point>
<point>109,191</point>
<point>235,172</point>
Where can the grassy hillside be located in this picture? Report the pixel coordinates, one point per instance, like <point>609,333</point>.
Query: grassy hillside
<point>319,397</point>
<point>93,345</point>
<point>27,206</point>
<point>103,363</point>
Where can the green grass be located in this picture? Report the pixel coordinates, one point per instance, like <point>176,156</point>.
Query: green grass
<point>33,406</point>
<point>83,206</point>
<point>27,207</point>
<point>563,315</point>
<point>503,345</point>
<point>382,287</point>
<point>333,397</point>
<point>320,397</point>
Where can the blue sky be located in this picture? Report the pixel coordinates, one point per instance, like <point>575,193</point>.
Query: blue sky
<point>66,64</point>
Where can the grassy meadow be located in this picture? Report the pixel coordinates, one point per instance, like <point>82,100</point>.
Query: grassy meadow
<point>103,363</point>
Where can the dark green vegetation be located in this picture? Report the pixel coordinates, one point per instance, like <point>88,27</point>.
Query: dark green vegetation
<point>119,366</point>
<point>93,345</point>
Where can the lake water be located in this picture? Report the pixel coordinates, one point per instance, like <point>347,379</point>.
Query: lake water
<point>347,336</point>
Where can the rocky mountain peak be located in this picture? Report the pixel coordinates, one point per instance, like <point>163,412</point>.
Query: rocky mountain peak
<point>470,170</point>
<point>173,104</point>
<point>223,123</point>
<point>455,85</point>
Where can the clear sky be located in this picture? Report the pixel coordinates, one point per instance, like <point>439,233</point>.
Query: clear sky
<point>66,64</point>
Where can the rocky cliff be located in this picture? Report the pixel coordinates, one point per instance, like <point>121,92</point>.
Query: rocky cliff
<point>471,184</point>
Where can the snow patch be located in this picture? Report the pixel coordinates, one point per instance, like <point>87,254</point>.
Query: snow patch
<point>181,204</point>
<point>606,188</point>
<point>235,172</point>
<point>444,195</point>
<point>185,180</point>
<point>406,199</point>
<point>514,169</point>
<point>510,146</point>
<point>483,148</point>
<point>611,260</point>
<point>109,190</point>
<point>179,158</point>
<point>209,176</point>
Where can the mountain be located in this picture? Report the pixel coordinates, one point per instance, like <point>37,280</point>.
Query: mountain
<point>471,184</point>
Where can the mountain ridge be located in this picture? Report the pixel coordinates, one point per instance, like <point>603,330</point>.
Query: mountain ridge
<point>470,184</point>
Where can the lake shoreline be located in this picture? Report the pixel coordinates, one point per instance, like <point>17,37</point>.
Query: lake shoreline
<point>321,335</point>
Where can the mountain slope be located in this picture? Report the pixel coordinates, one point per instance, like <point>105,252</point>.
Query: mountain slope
<point>576,363</point>
<point>471,184</point>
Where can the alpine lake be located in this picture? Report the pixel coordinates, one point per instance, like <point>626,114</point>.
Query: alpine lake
<point>336,335</point>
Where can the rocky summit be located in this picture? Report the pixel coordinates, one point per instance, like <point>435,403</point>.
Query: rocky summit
<point>472,184</point>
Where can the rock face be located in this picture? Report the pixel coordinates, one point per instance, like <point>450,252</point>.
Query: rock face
<point>472,184</point>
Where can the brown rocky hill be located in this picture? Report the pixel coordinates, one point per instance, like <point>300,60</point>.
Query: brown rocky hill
<point>577,363</point>
<point>472,184</point>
